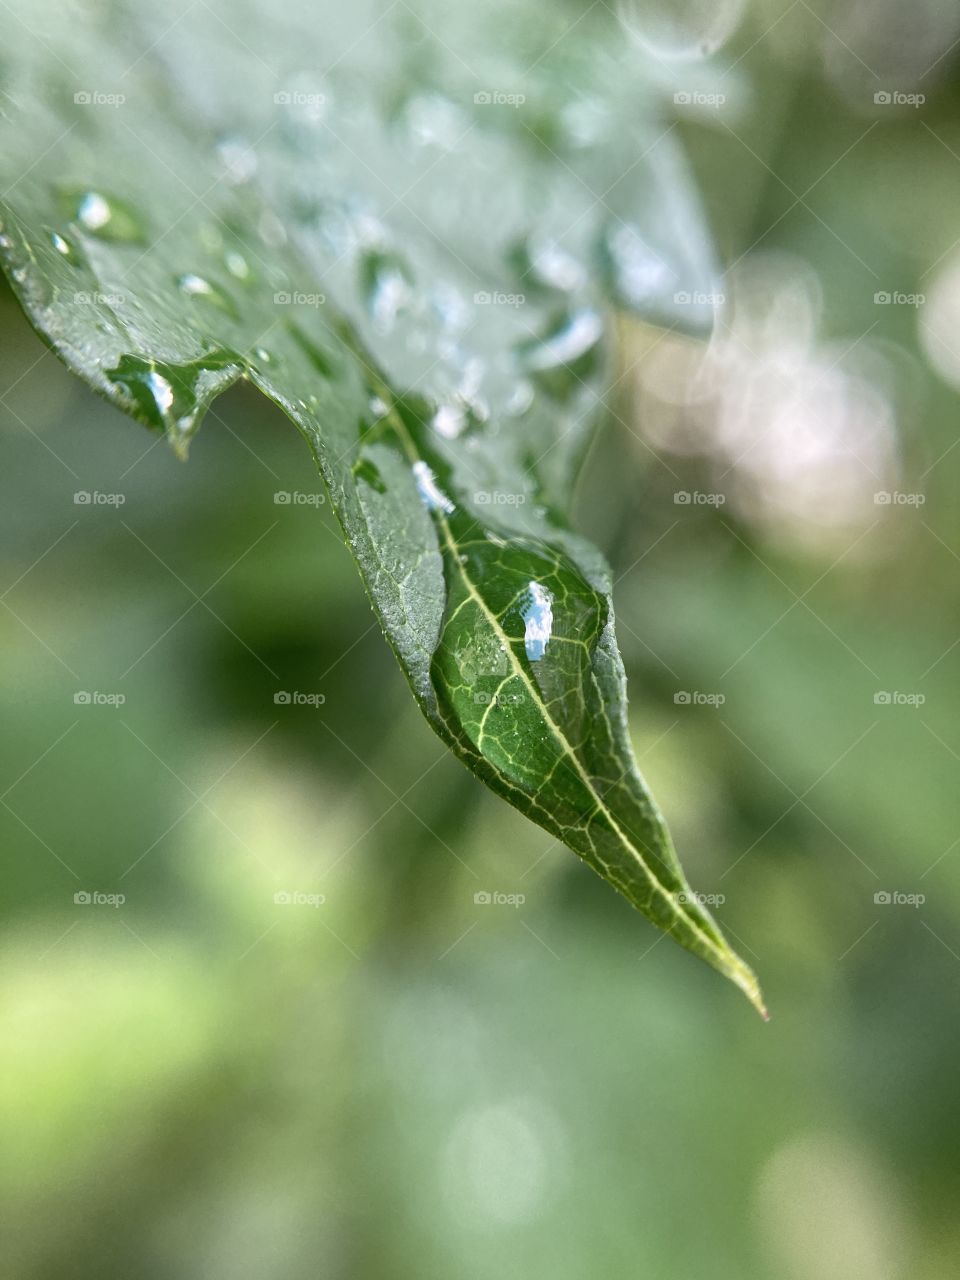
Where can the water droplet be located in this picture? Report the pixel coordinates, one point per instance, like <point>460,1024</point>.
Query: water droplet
<point>450,420</point>
<point>567,341</point>
<point>263,354</point>
<point>103,216</point>
<point>564,358</point>
<point>639,273</point>
<point>432,497</point>
<point>195,286</point>
<point>172,397</point>
<point>239,160</point>
<point>66,247</point>
<point>537,614</point>
<point>434,120</point>
<point>237,265</point>
<point>386,283</point>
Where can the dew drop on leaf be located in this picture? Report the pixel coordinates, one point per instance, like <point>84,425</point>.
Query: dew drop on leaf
<point>106,217</point>
<point>195,286</point>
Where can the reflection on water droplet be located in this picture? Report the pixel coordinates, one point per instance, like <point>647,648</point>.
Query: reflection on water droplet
<point>435,120</point>
<point>172,396</point>
<point>449,420</point>
<point>537,613</point>
<point>680,30</point>
<point>567,342</point>
<point>568,353</point>
<point>237,265</point>
<point>239,160</point>
<point>263,354</point>
<point>386,283</point>
<point>378,407</point>
<point>639,273</point>
<point>103,216</point>
<point>65,247</point>
<point>547,263</point>
<point>161,391</point>
<point>195,286</point>
<point>433,498</point>
<point>520,399</point>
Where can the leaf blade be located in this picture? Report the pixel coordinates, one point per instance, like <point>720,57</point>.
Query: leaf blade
<point>180,300</point>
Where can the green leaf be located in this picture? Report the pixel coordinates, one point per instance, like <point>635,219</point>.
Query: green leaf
<point>414,254</point>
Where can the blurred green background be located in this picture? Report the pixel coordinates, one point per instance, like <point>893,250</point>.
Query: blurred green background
<point>398,1081</point>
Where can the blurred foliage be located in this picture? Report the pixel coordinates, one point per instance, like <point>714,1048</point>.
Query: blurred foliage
<point>398,1082</point>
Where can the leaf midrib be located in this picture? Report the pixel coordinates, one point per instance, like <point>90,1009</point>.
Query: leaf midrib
<point>730,963</point>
